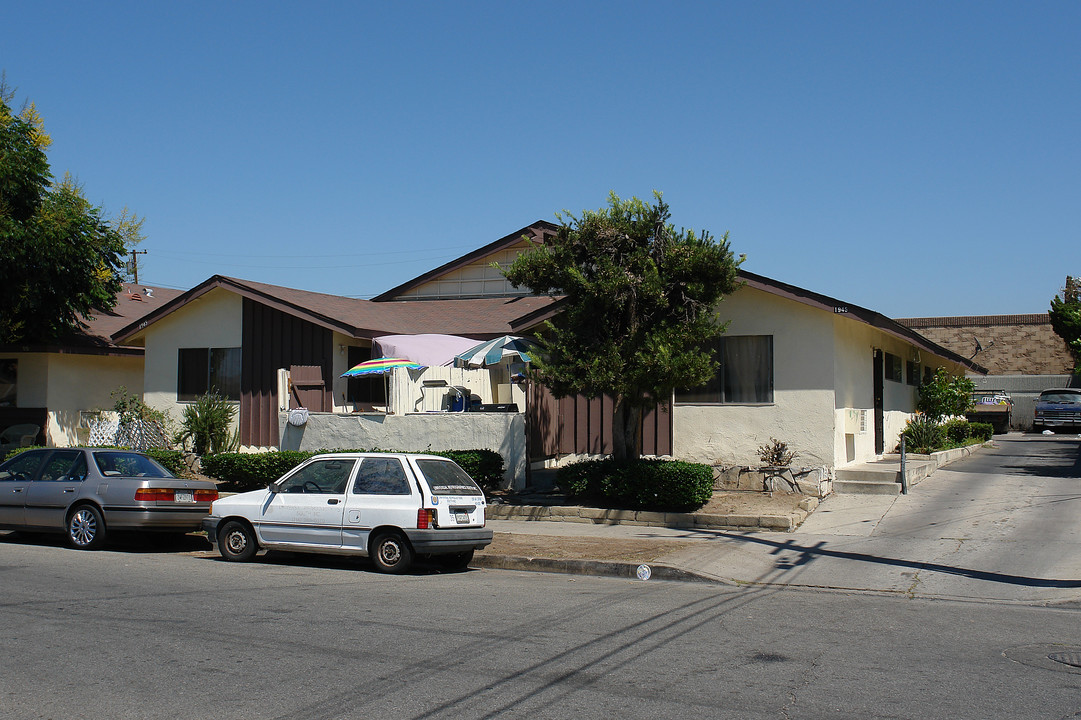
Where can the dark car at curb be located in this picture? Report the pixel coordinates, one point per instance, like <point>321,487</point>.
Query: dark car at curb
<point>1058,409</point>
<point>87,493</point>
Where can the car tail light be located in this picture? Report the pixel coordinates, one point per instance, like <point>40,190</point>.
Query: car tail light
<point>426,519</point>
<point>154,494</point>
<point>169,495</point>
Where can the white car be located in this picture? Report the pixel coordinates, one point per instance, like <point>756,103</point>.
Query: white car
<point>390,507</point>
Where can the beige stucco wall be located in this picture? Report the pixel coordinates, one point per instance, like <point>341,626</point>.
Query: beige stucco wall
<point>802,413</point>
<point>823,389</point>
<point>85,383</point>
<point>854,380</point>
<point>67,384</point>
<point>213,320</point>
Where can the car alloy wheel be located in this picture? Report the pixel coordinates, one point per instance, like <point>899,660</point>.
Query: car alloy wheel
<point>86,529</point>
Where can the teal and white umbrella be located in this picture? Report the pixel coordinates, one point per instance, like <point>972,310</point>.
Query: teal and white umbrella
<point>493,352</point>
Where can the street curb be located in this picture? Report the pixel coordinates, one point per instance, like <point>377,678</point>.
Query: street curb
<point>602,568</point>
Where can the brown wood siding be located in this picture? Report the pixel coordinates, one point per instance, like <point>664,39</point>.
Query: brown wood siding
<point>273,339</point>
<point>580,425</point>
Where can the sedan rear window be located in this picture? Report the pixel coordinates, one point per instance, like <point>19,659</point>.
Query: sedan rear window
<point>446,478</point>
<point>128,464</point>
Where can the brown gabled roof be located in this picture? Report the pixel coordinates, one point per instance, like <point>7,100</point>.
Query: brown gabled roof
<point>132,303</point>
<point>536,231</point>
<point>807,297</point>
<point>482,317</point>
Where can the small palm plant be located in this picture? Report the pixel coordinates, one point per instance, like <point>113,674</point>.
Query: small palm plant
<point>207,424</point>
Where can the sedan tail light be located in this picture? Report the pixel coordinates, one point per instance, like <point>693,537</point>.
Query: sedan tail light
<point>154,494</point>
<point>169,495</point>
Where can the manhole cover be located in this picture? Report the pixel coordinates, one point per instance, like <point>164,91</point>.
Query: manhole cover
<point>1067,658</point>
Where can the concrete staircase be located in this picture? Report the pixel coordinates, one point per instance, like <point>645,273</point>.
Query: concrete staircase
<point>882,477</point>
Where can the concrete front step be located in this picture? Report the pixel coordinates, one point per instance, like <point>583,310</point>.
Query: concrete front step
<point>867,487</point>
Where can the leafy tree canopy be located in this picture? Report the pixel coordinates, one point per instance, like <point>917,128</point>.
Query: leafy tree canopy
<point>61,259</point>
<point>639,311</point>
<point>1066,319</point>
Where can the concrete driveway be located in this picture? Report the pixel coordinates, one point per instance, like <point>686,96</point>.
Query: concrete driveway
<point>1003,525</point>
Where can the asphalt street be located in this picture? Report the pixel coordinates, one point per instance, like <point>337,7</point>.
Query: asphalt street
<point>126,633</point>
<point>960,600</point>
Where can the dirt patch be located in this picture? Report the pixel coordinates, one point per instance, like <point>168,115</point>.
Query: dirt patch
<point>752,503</point>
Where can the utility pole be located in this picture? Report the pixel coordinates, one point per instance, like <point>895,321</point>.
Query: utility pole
<point>135,263</point>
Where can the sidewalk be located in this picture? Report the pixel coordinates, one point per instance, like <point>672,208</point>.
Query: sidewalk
<point>947,539</point>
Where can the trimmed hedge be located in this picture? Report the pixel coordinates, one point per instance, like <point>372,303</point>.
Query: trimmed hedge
<point>982,431</point>
<point>251,471</point>
<point>171,460</point>
<point>958,431</point>
<point>647,484</point>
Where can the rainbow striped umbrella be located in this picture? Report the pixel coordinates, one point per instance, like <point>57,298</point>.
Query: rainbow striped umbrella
<point>381,366</point>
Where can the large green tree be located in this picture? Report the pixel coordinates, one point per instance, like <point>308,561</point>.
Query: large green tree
<point>1066,318</point>
<point>61,259</point>
<point>639,310</point>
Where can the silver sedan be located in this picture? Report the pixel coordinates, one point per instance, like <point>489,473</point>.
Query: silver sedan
<point>85,492</point>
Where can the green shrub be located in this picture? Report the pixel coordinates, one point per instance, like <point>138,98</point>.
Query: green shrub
<point>250,471</point>
<point>664,485</point>
<point>484,466</point>
<point>206,424</point>
<point>923,435</point>
<point>945,395</point>
<point>957,431</point>
<point>982,431</point>
<point>171,460</point>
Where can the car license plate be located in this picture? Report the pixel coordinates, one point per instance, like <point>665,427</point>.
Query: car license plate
<point>184,496</point>
<point>461,517</point>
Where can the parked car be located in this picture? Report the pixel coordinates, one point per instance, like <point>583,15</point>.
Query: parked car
<point>87,492</point>
<point>391,507</point>
<point>1058,408</point>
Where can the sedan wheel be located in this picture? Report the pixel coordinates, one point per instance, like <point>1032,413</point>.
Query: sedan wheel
<point>86,528</point>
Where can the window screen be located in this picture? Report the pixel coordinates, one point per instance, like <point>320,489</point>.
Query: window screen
<point>745,374</point>
<point>201,370</point>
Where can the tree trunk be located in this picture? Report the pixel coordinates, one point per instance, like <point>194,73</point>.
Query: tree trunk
<point>626,431</point>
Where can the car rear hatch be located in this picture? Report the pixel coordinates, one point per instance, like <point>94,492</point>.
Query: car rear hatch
<point>450,495</point>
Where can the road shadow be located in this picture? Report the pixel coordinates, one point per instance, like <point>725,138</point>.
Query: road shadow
<point>286,558</point>
<point>808,553</point>
<point>117,541</point>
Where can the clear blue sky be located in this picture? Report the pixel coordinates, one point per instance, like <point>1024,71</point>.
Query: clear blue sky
<point>915,158</point>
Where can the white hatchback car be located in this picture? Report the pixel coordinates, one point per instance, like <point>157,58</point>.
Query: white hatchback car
<point>391,507</point>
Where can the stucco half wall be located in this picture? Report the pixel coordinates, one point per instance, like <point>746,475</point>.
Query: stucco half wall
<point>422,432</point>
